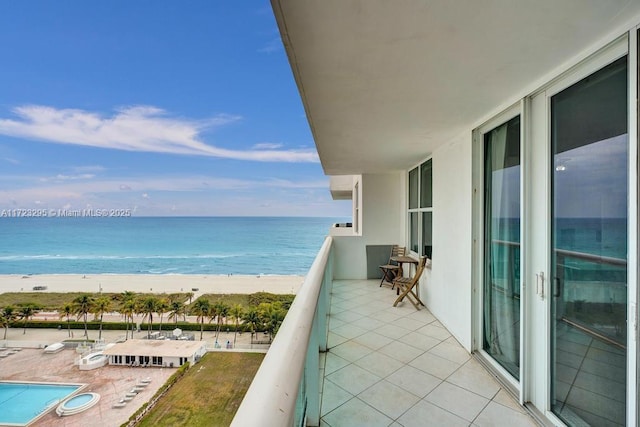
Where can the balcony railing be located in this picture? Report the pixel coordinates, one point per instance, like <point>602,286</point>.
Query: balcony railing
<point>285,390</point>
<point>592,289</point>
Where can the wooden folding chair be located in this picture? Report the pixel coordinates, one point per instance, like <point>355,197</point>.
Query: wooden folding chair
<point>406,286</point>
<point>391,269</point>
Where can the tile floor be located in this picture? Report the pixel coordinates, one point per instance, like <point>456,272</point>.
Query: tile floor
<point>591,378</point>
<point>395,366</point>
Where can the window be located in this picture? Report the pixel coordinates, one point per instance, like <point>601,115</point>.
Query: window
<point>589,247</point>
<point>421,209</point>
<point>501,282</point>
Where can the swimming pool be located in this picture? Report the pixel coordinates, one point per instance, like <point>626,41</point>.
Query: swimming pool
<point>77,404</point>
<point>22,402</point>
<point>79,400</point>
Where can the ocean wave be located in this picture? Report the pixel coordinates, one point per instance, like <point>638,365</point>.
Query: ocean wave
<point>152,257</point>
<point>114,257</point>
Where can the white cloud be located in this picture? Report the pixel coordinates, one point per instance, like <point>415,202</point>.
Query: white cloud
<point>12,161</point>
<point>267,146</point>
<point>136,128</point>
<point>273,45</point>
<point>89,169</point>
<point>180,195</point>
<point>61,177</point>
<point>58,193</point>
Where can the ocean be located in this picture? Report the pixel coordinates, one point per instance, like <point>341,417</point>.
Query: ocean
<point>595,236</point>
<point>161,245</point>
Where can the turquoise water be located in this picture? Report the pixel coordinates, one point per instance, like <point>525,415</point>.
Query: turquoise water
<point>171,245</point>
<point>78,401</point>
<point>595,236</point>
<point>21,402</point>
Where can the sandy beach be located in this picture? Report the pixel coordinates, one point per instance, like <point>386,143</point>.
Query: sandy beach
<point>165,283</point>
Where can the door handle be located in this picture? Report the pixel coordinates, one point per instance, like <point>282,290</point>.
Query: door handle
<point>540,284</point>
<point>557,288</point>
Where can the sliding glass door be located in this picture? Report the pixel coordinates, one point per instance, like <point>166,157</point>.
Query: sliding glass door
<point>501,281</point>
<point>588,248</point>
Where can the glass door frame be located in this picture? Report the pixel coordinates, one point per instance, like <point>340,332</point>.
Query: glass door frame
<point>478,158</point>
<point>633,293</point>
<point>537,119</point>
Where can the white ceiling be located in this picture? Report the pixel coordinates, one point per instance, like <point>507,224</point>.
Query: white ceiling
<point>385,82</point>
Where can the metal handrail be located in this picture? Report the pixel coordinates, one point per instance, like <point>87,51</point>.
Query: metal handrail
<point>561,255</point>
<point>271,398</point>
<point>592,258</point>
<point>573,254</point>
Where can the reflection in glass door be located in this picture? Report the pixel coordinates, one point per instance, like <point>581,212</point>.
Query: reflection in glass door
<point>501,284</point>
<point>589,249</point>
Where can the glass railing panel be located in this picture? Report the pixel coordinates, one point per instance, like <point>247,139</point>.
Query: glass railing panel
<point>285,391</point>
<point>593,291</point>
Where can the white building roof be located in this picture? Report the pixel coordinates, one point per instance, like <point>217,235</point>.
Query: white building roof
<point>164,348</point>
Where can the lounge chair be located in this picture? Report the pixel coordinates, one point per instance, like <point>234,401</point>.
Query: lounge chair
<point>120,404</point>
<point>391,269</point>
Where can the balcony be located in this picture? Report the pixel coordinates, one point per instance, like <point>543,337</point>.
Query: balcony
<point>345,356</point>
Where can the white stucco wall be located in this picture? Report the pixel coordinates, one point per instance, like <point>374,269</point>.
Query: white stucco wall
<point>383,222</point>
<point>447,288</point>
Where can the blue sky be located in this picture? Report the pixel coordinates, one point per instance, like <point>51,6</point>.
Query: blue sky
<point>162,107</point>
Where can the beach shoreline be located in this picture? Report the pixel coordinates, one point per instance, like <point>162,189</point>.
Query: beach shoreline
<point>199,284</point>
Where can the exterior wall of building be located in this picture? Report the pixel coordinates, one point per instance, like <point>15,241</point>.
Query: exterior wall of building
<point>383,222</point>
<point>198,354</point>
<point>447,285</point>
<point>166,361</point>
<point>173,362</point>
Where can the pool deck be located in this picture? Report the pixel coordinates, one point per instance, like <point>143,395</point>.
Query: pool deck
<point>111,382</point>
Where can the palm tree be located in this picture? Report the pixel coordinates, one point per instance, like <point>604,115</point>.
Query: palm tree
<point>100,306</point>
<point>176,309</point>
<point>201,308</point>
<point>67,311</point>
<point>162,306</point>
<point>7,315</point>
<point>127,295</point>
<point>26,312</point>
<point>221,312</point>
<point>148,307</point>
<point>272,316</point>
<point>128,309</point>
<point>83,305</point>
<point>251,318</point>
<point>236,314</point>
<point>213,313</point>
<point>190,295</point>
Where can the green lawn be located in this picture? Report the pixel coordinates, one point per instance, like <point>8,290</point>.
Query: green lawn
<point>209,394</point>
<point>250,300</point>
<point>55,300</point>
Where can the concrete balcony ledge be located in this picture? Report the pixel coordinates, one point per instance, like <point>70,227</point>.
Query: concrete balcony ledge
<point>400,367</point>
